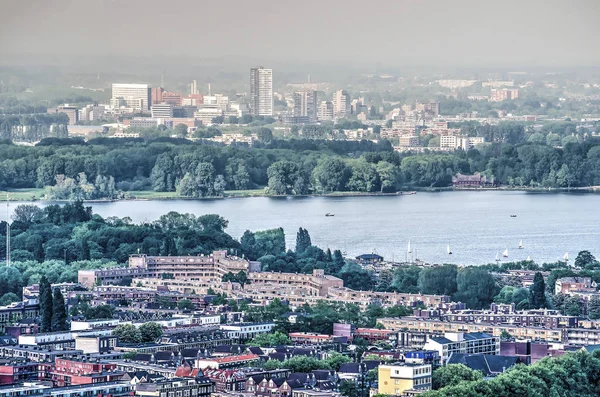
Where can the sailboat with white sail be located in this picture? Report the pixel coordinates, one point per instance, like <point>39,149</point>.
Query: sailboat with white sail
<point>528,259</point>
<point>505,253</point>
<point>409,249</point>
<point>497,257</point>
<point>449,250</point>
<point>521,246</point>
<point>566,257</point>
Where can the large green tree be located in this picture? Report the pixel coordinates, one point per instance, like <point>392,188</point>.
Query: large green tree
<point>475,287</point>
<point>454,374</point>
<point>440,280</point>
<point>59,312</point>
<point>538,292</point>
<point>46,305</point>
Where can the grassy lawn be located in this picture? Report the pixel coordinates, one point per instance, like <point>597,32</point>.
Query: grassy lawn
<point>22,194</point>
<point>245,193</point>
<point>152,195</point>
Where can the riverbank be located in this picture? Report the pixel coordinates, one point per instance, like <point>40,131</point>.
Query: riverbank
<point>38,194</point>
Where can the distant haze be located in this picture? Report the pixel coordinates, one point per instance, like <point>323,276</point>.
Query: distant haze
<point>386,32</point>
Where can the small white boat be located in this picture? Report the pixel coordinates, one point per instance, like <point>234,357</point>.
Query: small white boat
<point>566,257</point>
<point>449,250</point>
<point>497,257</point>
<point>528,259</point>
<point>505,253</point>
<point>408,249</point>
<point>521,246</point>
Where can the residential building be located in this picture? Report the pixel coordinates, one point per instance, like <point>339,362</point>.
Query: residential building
<point>261,92</point>
<point>460,142</point>
<point>227,380</point>
<point>246,331</point>
<point>325,111</point>
<point>135,96</point>
<point>437,327</point>
<point>234,361</point>
<point>305,105</point>
<point>503,94</point>
<point>95,344</point>
<point>395,379</point>
<point>341,104</point>
<point>83,371</point>
<point>200,386</point>
<point>409,141</point>
<point>208,269</point>
<point>43,389</point>
<point>71,111</point>
<point>567,285</point>
<point>162,110</point>
<point>430,110</point>
<point>465,343</point>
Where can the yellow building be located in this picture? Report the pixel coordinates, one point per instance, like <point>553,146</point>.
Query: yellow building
<point>395,379</point>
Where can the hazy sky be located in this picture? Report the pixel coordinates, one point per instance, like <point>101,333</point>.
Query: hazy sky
<point>412,32</point>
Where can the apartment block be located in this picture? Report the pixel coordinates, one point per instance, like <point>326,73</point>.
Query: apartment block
<point>396,379</point>
<point>261,91</point>
<point>503,94</point>
<point>463,343</point>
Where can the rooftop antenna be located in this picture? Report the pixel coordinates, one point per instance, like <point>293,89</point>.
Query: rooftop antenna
<point>7,231</point>
<point>209,91</point>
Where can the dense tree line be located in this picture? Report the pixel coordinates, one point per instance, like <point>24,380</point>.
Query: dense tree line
<point>33,127</point>
<point>292,166</point>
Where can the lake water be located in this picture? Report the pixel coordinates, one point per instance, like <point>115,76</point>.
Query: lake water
<point>476,225</point>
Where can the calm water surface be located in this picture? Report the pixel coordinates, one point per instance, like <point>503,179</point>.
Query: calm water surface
<point>476,225</point>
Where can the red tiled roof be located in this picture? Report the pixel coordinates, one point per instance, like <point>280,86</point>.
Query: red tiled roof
<point>187,372</point>
<point>232,359</point>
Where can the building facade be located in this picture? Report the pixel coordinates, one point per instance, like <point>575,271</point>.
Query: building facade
<point>135,96</point>
<point>396,379</point>
<point>305,105</point>
<point>261,91</point>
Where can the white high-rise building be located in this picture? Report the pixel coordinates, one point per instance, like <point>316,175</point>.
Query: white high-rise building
<point>341,104</point>
<point>305,105</point>
<point>194,88</point>
<point>134,96</point>
<point>261,92</point>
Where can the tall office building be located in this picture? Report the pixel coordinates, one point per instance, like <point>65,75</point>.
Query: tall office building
<point>305,105</point>
<point>135,96</point>
<point>341,104</point>
<point>162,110</point>
<point>194,88</point>
<point>261,91</point>
<point>325,111</point>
